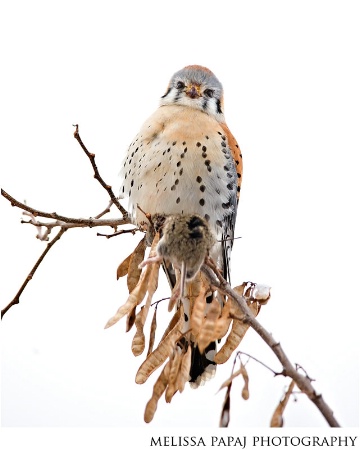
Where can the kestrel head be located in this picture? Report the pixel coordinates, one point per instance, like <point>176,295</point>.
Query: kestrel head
<point>196,87</point>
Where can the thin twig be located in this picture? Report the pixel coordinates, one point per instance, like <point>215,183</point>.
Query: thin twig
<point>303,383</point>
<point>239,353</point>
<point>97,176</point>
<point>16,299</point>
<point>117,233</point>
<point>106,210</point>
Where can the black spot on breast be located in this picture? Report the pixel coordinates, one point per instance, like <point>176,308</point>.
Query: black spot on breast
<point>204,155</point>
<point>174,143</point>
<point>198,144</point>
<point>176,182</point>
<point>178,164</point>
<point>202,188</point>
<point>181,171</point>
<point>178,200</point>
<point>230,187</point>
<point>209,299</point>
<point>173,187</point>
<point>207,162</point>
<point>202,202</point>
<point>223,143</point>
<point>198,179</point>
<point>184,143</point>
<point>132,183</point>
<point>203,148</point>
<point>207,217</point>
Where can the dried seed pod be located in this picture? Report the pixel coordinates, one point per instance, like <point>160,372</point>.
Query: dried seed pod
<point>205,335</point>
<point>236,334</point>
<point>130,319</point>
<point>222,324</point>
<point>225,412</point>
<point>152,333</point>
<point>184,373</point>
<point>134,272</point>
<point>158,390</point>
<point>175,364</point>
<point>277,420</point>
<point>245,391</point>
<point>158,356</point>
<point>123,268</point>
<point>198,312</point>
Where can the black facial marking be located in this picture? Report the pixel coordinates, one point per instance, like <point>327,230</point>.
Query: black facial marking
<point>218,107</point>
<point>209,93</point>
<point>166,93</point>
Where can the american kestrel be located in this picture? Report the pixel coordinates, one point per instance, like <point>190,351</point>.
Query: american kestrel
<point>184,160</point>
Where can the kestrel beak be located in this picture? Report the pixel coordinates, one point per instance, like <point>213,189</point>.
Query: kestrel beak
<point>193,91</point>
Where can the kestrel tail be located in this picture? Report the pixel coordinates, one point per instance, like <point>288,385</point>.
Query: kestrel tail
<point>184,160</point>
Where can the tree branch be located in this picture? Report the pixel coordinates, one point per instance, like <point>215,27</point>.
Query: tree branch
<point>303,383</point>
<point>16,299</point>
<point>75,222</point>
<point>97,176</point>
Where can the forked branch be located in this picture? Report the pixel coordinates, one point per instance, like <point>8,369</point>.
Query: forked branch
<point>63,222</point>
<point>303,382</point>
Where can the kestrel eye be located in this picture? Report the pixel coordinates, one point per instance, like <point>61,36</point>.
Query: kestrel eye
<point>209,93</point>
<point>180,85</point>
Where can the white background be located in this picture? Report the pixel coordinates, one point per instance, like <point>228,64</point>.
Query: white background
<point>291,77</point>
